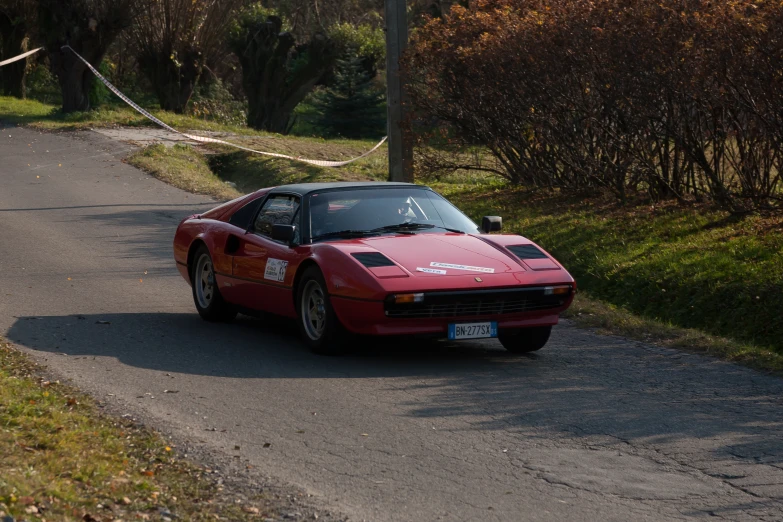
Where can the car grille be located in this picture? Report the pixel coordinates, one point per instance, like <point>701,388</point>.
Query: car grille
<point>468,304</point>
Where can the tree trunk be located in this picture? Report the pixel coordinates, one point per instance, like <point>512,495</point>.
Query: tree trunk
<point>273,86</point>
<point>14,39</point>
<point>89,28</point>
<point>268,115</point>
<point>14,79</point>
<point>175,96</point>
<point>74,78</point>
<point>173,82</point>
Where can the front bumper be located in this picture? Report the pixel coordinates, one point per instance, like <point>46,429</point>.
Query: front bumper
<point>381,318</point>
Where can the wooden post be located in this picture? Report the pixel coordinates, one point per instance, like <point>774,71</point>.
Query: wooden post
<point>400,148</point>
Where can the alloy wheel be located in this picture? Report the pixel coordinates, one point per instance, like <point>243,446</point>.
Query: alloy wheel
<point>313,310</point>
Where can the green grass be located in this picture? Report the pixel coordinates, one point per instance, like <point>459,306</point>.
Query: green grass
<point>62,460</point>
<point>691,267</point>
<point>193,169</point>
<point>183,167</point>
<point>606,318</point>
<point>656,269</point>
<point>49,117</point>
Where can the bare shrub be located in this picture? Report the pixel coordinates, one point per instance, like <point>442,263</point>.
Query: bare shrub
<point>672,98</point>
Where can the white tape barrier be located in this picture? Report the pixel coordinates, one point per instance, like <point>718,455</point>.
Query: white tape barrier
<point>20,57</point>
<point>319,163</point>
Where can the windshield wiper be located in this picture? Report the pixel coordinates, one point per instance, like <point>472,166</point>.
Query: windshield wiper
<point>344,233</point>
<point>414,226</point>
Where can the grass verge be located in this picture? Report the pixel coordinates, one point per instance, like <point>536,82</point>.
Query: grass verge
<point>689,267</point>
<point>183,167</point>
<point>62,460</point>
<point>240,172</point>
<point>673,268</point>
<point>43,116</point>
<point>610,319</point>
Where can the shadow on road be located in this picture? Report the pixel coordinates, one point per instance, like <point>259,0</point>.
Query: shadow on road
<point>578,386</point>
<point>246,348</point>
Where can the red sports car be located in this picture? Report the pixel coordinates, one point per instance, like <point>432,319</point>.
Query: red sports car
<point>372,259</point>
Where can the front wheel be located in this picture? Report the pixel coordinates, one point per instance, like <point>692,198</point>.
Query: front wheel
<point>524,340</point>
<point>209,302</point>
<point>318,324</point>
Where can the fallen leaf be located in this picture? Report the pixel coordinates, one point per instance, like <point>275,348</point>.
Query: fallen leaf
<point>72,401</point>
<point>148,473</point>
<point>252,510</point>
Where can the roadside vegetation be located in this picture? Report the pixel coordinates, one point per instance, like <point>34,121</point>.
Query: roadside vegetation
<point>667,100</point>
<point>63,460</point>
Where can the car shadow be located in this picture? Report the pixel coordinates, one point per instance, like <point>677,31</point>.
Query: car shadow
<point>245,348</point>
<point>580,385</point>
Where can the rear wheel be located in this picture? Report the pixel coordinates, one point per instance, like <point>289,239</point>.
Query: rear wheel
<point>318,324</point>
<point>206,295</point>
<point>524,340</point>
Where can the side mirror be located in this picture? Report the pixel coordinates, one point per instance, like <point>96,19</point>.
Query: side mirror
<point>491,224</point>
<point>284,233</point>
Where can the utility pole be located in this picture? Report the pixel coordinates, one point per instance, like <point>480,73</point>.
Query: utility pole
<point>400,148</point>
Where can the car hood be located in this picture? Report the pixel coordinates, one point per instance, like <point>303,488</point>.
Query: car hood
<point>427,255</point>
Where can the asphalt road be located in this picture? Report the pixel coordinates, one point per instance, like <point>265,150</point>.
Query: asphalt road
<point>590,428</point>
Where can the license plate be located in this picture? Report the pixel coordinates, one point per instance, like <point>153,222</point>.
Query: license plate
<point>473,330</point>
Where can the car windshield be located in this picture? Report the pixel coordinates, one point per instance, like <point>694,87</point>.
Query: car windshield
<point>366,212</point>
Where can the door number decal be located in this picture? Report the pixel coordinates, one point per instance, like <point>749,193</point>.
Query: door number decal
<point>275,269</point>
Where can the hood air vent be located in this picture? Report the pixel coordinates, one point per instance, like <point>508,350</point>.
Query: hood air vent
<point>527,252</point>
<point>373,259</point>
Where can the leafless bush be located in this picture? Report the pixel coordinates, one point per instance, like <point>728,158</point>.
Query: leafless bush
<point>673,98</point>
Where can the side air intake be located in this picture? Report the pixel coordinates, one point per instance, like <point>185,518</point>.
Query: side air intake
<point>373,259</point>
<point>527,252</point>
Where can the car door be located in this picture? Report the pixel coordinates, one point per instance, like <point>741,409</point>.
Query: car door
<point>263,269</point>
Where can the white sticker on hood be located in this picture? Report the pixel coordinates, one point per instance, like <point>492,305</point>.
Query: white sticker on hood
<point>464,267</point>
<point>431,270</point>
<point>275,269</point>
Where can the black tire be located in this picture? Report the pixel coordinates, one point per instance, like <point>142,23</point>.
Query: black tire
<point>210,304</point>
<point>524,340</point>
<point>319,327</point>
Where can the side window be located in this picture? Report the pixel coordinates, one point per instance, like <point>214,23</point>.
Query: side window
<point>278,210</point>
<point>241,218</point>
